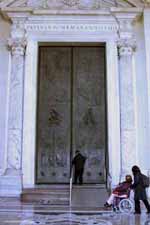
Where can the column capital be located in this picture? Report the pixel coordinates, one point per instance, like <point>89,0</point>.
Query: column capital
<point>126,46</point>
<point>17,46</point>
<point>146,3</point>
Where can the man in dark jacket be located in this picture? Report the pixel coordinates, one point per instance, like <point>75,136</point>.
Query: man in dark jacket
<point>78,163</point>
<point>139,190</point>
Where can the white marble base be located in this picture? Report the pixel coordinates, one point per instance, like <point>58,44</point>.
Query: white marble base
<point>10,186</point>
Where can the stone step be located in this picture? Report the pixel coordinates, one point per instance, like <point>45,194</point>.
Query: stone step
<point>54,195</point>
<point>89,186</point>
<point>93,195</point>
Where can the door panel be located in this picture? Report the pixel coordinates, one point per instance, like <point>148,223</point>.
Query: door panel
<point>89,110</point>
<point>53,137</point>
<point>71,113</point>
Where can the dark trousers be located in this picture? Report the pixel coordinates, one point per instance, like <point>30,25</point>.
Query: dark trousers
<point>78,175</point>
<point>138,208</point>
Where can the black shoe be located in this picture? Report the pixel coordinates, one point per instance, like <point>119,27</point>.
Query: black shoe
<point>107,205</point>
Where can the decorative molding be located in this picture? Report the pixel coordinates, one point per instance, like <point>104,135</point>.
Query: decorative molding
<point>73,4</point>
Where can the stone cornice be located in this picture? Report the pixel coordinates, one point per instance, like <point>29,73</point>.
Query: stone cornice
<point>26,12</point>
<point>89,11</point>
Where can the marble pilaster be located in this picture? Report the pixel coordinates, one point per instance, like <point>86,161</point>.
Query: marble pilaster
<point>113,113</point>
<point>127,106</point>
<point>146,16</point>
<point>30,101</point>
<point>12,179</point>
<point>17,47</point>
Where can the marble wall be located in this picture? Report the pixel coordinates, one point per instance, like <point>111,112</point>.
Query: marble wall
<point>140,90</point>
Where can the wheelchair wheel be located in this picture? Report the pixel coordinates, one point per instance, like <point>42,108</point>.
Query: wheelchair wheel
<point>125,205</point>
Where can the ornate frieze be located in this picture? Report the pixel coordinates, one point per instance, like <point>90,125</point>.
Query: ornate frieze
<point>71,3</point>
<point>78,4</point>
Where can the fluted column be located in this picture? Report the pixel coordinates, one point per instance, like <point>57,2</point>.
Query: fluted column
<point>127,106</point>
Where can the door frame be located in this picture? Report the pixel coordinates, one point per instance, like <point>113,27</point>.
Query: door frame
<point>30,104</point>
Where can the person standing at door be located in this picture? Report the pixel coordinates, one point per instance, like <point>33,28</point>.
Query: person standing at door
<point>78,162</point>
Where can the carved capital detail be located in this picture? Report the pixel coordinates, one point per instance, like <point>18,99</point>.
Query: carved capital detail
<point>17,46</point>
<point>146,2</point>
<point>126,46</point>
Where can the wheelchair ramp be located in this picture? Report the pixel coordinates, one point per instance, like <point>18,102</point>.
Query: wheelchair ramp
<point>89,196</point>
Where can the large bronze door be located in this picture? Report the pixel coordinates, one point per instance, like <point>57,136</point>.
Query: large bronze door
<point>71,113</point>
<point>53,117</point>
<point>89,110</point>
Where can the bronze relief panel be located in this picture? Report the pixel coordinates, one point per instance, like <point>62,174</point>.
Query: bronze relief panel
<point>89,110</point>
<point>53,137</point>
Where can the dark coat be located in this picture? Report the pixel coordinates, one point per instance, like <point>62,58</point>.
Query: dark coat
<point>78,162</point>
<point>139,190</point>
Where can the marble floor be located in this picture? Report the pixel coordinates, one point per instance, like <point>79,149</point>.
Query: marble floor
<point>13,212</point>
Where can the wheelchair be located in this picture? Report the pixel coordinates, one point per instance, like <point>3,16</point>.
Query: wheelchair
<point>123,203</point>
